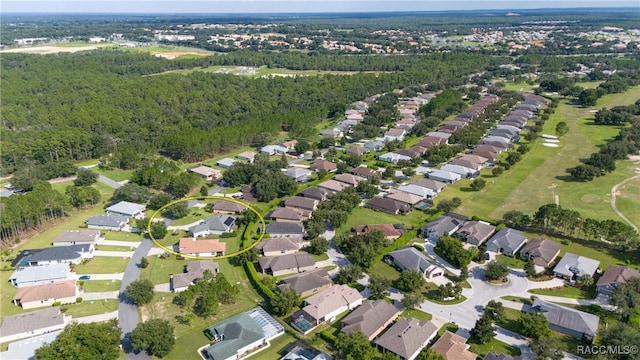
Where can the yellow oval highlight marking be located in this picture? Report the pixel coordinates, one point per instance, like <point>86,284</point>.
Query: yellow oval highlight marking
<point>171,251</point>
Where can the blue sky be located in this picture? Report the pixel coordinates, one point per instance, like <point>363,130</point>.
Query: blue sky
<point>296,6</point>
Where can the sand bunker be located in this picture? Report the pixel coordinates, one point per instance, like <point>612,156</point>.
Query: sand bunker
<point>550,145</point>
<point>546,136</point>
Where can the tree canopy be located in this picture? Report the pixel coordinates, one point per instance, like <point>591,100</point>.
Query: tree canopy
<point>84,342</point>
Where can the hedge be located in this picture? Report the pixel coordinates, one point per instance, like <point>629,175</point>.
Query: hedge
<point>255,280</point>
<point>328,336</point>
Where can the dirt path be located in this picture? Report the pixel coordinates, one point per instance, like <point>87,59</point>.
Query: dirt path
<point>614,191</point>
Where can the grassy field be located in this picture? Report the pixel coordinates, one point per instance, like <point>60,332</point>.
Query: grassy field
<point>103,265</point>
<point>541,173</point>
<point>114,248</point>
<point>384,270</point>
<point>361,216</point>
<point>416,314</point>
<point>495,347</point>
<point>567,291</point>
<point>93,307</point>
<point>101,285</point>
<point>510,261</point>
<point>114,174</point>
<point>194,216</point>
<point>122,236</point>
<point>627,201</point>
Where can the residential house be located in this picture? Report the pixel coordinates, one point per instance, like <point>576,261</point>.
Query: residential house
<point>541,251</point>
<point>248,156</point>
<point>193,247</point>
<point>371,318</point>
<point>466,163</point>
<point>332,133</point>
<point>475,232</point>
<point>453,347</point>
<point>127,209</point>
<point>418,190</point>
<point>333,186</point>
<point>228,207</point>
<point>225,163</point>
<point>404,198</point>
<point>287,264</point>
<point>357,150</point>
<point>395,134</point>
<point>460,170</point>
<point>64,292</point>
<point>33,323</point>
<point>299,202</point>
<point>486,153</point>
<point>287,214</point>
<point>573,267</point>
<point>388,206</point>
<point>393,158</point>
<point>374,145</point>
<point>406,123</point>
<point>321,164</point>
<point>40,275</point>
<point>307,283</point>
<point>242,334</point>
<point>442,225</point>
<point>26,349</point>
<point>285,229</point>
<point>431,141</point>
<point>206,172</point>
<point>291,144</point>
<point>300,350</point>
<point>390,231</point>
<point>299,174</point>
<point>444,176</point>
<point>194,271</point>
<point>107,222</point>
<point>408,152</point>
<point>217,225</point>
<point>348,179</point>
<point>479,161</point>
<point>418,149</point>
<point>273,150</point>
<point>325,306</point>
<point>280,245</point>
<point>77,237</point>
<point>575,323</point>
<point>355,117</point>
<point>411,259</point>
<point>506,241</point>
<point>613,277</point>
<point>435,186</point>
<point>315,193</point>
<point>73,254</point>
<point>445,136</point>
<point>407,337</point>
<point>364,172</point>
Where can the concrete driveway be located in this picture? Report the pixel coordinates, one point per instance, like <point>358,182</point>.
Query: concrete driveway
<point>110,183</point>
<point>88,296</point>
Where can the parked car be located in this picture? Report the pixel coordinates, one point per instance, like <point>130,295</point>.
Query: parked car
<point>85,277</point>
<point>487,256</point>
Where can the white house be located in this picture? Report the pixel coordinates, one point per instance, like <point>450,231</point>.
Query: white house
<point>40,275</point>
<point>391,157</point>
<point>444,176</point>
<point>127,209</point>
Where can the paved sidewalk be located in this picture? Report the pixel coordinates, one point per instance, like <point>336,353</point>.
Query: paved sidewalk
<point>555,282</point>
<point>164,287</point>
<point>88,296</point>
<point>133,244</point>
<point>124,254</point>
<point>156,251</point>
<point>97,318</point>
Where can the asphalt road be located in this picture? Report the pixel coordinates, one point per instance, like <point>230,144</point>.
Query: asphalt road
<point>110,183</point>
<point>127,311</point>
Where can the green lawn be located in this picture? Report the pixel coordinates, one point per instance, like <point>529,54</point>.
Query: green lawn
<point>511,320</point>
<point>567,291</point>
<point>61,187</point>
<point>416,314</point>
<point>114,174</point>
<point>91,307</point>
<point>495,347</point>
<point>448,327</point>
<point>122,236</point>
<point>362,216</point>
<point>518,299</point>
<point>384,270</point>
<point>194,215</point>
<point>511,261</point>
<point>159,269</point>
<point>103,265</point>
<point>320,257</point>
<point>114,248</point>
<point>627,201</point>
<point>100,285</point>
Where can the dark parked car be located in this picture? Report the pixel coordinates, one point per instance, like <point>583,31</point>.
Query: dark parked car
<point>84,277</point>
<point>487,256</point>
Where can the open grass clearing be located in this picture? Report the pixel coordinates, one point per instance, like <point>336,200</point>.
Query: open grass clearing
<point>627,200</point>
<point>114,174</point>
<point>114,248</point>
<point>364,216</point>
<point>122,236</point>
<point>511,261</point>
<point>194,215</point>
<point>91,307</point>
<point>566,291</point>
<point>416,314</point>
<point>518,299</point>
<point>100,285</point>
<point>494,346</point>
<point>384,271</point>
<point>103,265</point>
<point>448,327</point>
<point>511,320</point>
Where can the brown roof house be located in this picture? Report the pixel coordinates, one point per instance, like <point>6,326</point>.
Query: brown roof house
<point>321,164</point>
<point>541,251</point>
<point>316,193</point>
<point>194,271</point>
<point>391,231</point>
<point>287,215</point>
<point>206,172</point>
<point>191,246</point>
<point>325,306</point>
<point>475,232</point>
<point>287,264</point>
<point>357,150</point>
<point>31,297</point>
<point>227,207</point>
<point>349,179</point>
<point>614,277</point>
<point>308,283</point>
<point>248,156</point>
<point>333,186</point>
<point>364,172</point>
<point>404,197</point>
<point>299,202</point>
<point>280,245</point>
<point>372,317</point>
<point>407,337</point>
<point>389,206</point>
<point>453,347</point>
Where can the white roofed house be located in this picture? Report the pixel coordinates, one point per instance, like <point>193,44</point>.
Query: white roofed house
<point>218,224</point>
<point>40,275</point>
<point>394,134</point>
<point>274,149</point>
<point>226,163</point>
<point>461,170</point>
<point>391,157</point>
<point>423,192</point>
<point>444,176</point>
<point>107,222</point>
<point>126,208</point>
<point>299,174</point>
<point>411,259</point>
<point>77,237</point>
<point>573,267</point>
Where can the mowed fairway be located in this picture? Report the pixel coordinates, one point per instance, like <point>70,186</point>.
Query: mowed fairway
<point>541,174</point>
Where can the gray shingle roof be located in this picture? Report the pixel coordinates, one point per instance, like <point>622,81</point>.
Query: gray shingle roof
<point>407,336</point>
<point>279,228</point>
<point>31,321</point>
<point>236,332</point>
<point>221,223</point>
<point>60,253</point>
<point>508,238</point>
<point>289,261</point>
<point>441,225</point>
<point>85,236</point>
<point>411,259</point>
<point>306,281</point>
<point>568,318</point>
<point>107,220</point>
<point>126,208</point>
<point>543,251</point>
<point>369,317</point>
<point>575,265</point>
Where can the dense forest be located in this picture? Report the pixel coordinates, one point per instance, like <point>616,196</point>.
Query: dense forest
<point>80,106</point>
